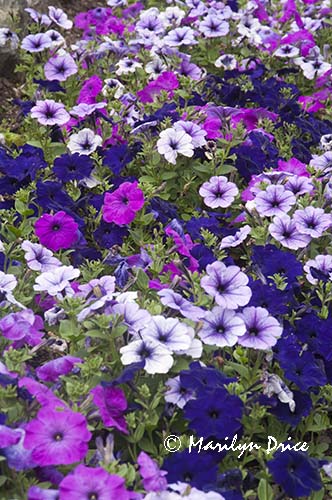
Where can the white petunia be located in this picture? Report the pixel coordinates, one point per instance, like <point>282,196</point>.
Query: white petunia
<point>84,142</point>
<point>173,142</point>
<point>157,358</point>
<point>57,281</point>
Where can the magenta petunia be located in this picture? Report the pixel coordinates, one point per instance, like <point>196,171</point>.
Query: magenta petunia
<point>93,483</point>
<point>121,206</point>
<point>57,437</point>
<point>57,231</point>
<point>50,371</point>
<point>112,403</point>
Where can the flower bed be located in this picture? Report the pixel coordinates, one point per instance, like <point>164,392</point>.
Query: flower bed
<point>165,254</point>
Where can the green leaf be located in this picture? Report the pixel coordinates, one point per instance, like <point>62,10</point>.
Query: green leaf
<point>142,280</point>
<point>265,492</point>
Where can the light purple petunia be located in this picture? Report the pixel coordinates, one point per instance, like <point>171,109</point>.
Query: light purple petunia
<point>322,264</point>
<point>213,26</point>
<point>57,437</point>
<point>57,282</point>
<point>176,393</point>
<point>218,192</point>
<point>168,332</point>
<point>36,43</point>
<point>180,36</point>
<point>299,185</point>
<point>236,239</point>
<point>49,112</point>
<point>152,477</point>
<point>262,330</point>
<point>221,327</point>
<point>134,317</point>
<point>51,371</point>
<point>175,301</point>
<point>60,67</point>
<point>284,230</point>
<point>275,200</point>
<point>83,109</point>
<point>196,133</point>
<point>59,17</point>
<point>322,163</point>
<point>39,258</point>
<point>228,285</point>
<point>312,221</point>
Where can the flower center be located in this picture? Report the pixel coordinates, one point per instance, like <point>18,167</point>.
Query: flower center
<point>58,436</point>
<point>253,331</point>
<point>56,227</point>
<point>213,414</point>
<point>93,496</point>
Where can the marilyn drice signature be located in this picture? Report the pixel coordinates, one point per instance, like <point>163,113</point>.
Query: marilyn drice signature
<point>272,445</point>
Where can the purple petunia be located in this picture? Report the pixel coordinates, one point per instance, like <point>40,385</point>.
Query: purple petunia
<point>284,230</point>
<point>228,285</point>
<point>57,437</point>
<point>22,327</point>
<point>49,112</point>
<point>218,192</point>
<point>60,68</point>
<point>51,371</point>
<point>275,200</point>
<point>262,330</point>
<point>57,231</point>
<point>112,403</point>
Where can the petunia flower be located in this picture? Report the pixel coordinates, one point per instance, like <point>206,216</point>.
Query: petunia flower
<point>93,483</point>
<point>121,205</point>
<point>152,477</point>
<point>112,404</point>
<point>221,327</point>
<point>60,67</point>
<point>49,112</point>
<point>57,437</point>
<point>284,230</point>
<point>58,231</point>
<point>218,192</point>
<point>173,142</point>
<point>262,330</point>
<point>228,285</point>
<point>84,142</point>
<point>50,371</point>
